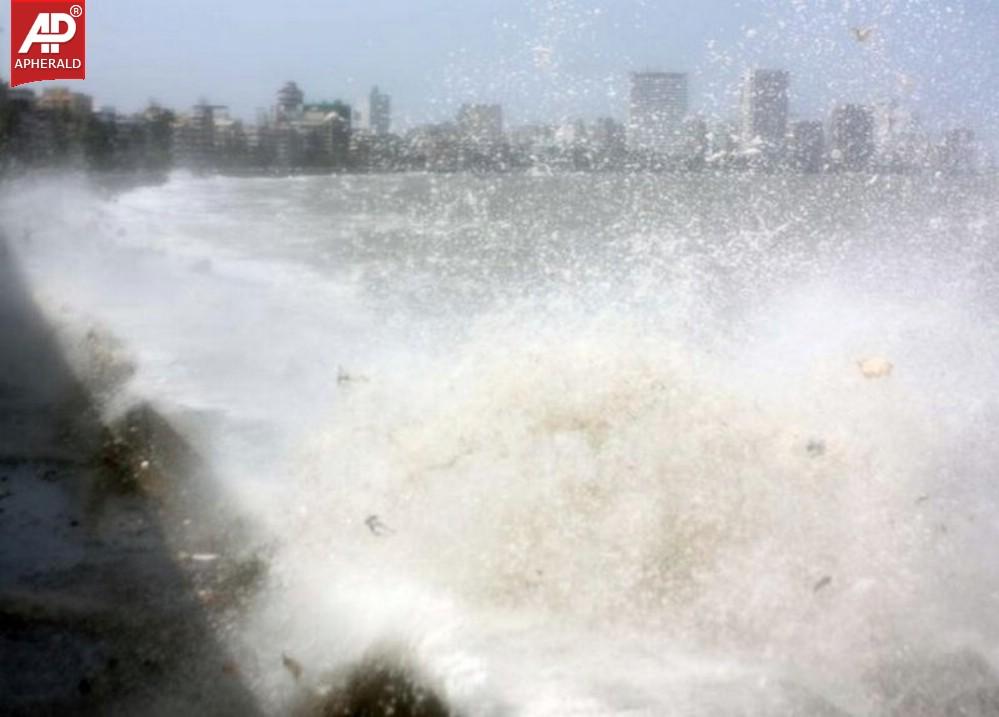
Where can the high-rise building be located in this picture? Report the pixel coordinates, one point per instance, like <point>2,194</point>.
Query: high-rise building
<point>765,111</point>
<point>656,112</point>
<point>290,101</point>
<point>851,137</point>
<point>325,128</point>
<point>807,146</point>
<point>379,119</point>
<point>695,142</point>
<point>194,135</point>
<point>900,143</point>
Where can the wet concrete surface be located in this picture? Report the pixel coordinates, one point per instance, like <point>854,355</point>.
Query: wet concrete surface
<point>100,613</point>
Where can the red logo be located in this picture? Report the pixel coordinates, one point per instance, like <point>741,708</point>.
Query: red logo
<point>48,41</point>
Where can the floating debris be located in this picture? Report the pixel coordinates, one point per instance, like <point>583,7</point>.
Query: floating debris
<point>875,367</point>
<point>863,34</point>
<point>823,583</point>
<point>376,526</point>
<point>204,557</point>
<point>342,377</point>
<point>815,448</point>
<point>293,666</point>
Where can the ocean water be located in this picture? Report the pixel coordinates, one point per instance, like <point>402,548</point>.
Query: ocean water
<point>578,444</point>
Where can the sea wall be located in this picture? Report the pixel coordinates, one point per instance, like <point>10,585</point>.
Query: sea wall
<point>103,610</point>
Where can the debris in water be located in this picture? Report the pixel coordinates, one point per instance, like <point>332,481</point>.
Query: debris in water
<point>376,526</point>
<point>204,557</point>
<point>823,583</point>
<point>875,367</point>
<point>816,447</point>
<point>292,665</point>
<point>863,34</point>
<point>343,377</point>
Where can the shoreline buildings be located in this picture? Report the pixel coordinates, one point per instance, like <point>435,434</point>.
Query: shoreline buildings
<point>764,115</point>
<point>379,119</point>
<point>59,127</point>
<point>851,137</point>
<point>657,109</point>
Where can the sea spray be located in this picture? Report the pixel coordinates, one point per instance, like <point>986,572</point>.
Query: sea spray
<point>624,455</point>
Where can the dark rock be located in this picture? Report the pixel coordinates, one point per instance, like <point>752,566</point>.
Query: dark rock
<point>377,687</point>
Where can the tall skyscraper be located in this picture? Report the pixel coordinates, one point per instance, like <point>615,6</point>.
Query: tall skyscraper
<point>658,107</point>
<point>765,111</point>
<point>379,113</point>
<point>899,141</point>
<point>807,146</point>
<point>851,137</point>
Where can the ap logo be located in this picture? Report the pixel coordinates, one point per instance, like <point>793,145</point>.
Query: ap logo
<point>47,41</point>
<point>46,31</point>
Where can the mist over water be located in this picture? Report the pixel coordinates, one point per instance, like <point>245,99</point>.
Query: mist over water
<point>612,428</point>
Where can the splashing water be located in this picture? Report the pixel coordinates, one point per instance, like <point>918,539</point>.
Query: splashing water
<point>580,444</point>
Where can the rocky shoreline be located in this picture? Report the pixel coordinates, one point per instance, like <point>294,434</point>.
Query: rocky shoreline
<point>122,567</point>
<point>100,612</point>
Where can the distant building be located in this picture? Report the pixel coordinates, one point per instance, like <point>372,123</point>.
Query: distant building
<point>572,134</point>
<point>379,118</point>
<point>695,142</point>
<point>20,131</point>
<point>534,144</point>
<point>958,152</point>
<point>723,144</point>
<point>194,135</point>
<point>851,137</point>
<point>481,124</point>
<point>300,135</point>
<point>231,145</point>
<point>608,136</point>
<point>900,144</point>
<point>60,99</point>
<point>434,147</point>
<point>806,151</point>
<point>533,137</point>
<point>764,113</point>
<point>658,105</point>
<point>290,102</point>
<point>326,131</point>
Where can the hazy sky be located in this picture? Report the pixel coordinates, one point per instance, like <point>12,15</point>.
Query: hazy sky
<point>543,59</point>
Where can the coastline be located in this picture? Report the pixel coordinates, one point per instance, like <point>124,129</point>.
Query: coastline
<point>102,611</point>
<point>121,565</point>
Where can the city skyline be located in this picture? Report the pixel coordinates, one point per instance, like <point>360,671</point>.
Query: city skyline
<point>61,126</point>
<point>546,61</point>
